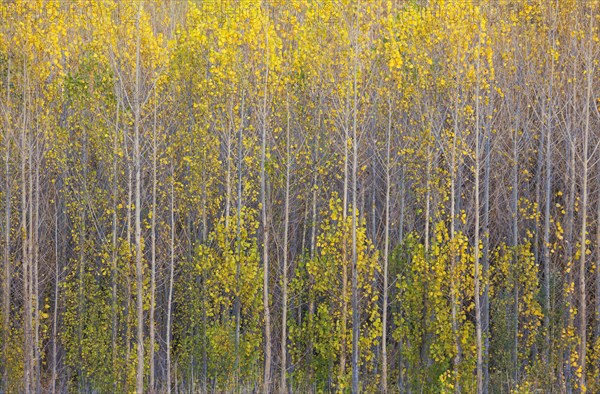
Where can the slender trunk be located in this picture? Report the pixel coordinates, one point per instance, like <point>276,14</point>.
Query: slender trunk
<point>6,255</point>
<point>228,181</point>
<point>538,195</point>
<point>265,225</point>
<point>138,223</point>
<point>401,377</point>
<point>373,198</point>
<point>582,262</point>
<point>127,311</point>
<point>597,294</point>
<point>284,279</point>
<point>313,238</point>
<point>114,252</point>
<point>583,241</point>
<point>237,301</point>
<point>514,243</point>
<point>203,292</point>
<point>30,275</point>
<point>81,301</point>
<point>304,229</point>
<point>454,312</point>
<point>476,278</point>
<point>426,313</point>
<point>453,257</point>
<point>355,311</point>
<point>570,229</point>
<point>568,321</point>
<point>486,250</point>
<point>428,197</point>
<point>55,309</point>
<point>402,201</point>
<point>36,282</point>
<point>547,203</point>
<point>171,274</point>
<point>25,247</point>
<point>203,279</point>
<point>153,250</point>
<point>386,248</point>
<point>344,317</point>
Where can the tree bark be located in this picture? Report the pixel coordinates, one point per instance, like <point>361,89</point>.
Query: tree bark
<point>584,193</point>
<point>7,228</point>
<point>386,247</point>
<point>284,279</point>
<point>25,152</point>
<point>171,275</point>
<point>114,252</point>
<point>265,224</point>
<point>153,250</point>
<point>56,293</point>
<point>138,222</point>
<point>476,231</point>
<point>355,310</point>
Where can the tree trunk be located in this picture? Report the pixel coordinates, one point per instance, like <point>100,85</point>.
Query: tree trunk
<point>138,222</point>
<point>153,251</point>
<point>570,230</point>
<point>265,225</point>
<point>344,317</point>
<point>386,247</point>
<point>28,342</point>
<point>514,243</point>
<point>355,311</point>
<point>284,279</point>
<point>114,252</point>
<point>590,59</point>
<point>171,274</point>
<point>486,251</point>
<point>313,239</point>
<point>55,309</point>
<point>453,308</point>
<point>6,256</point>
<point>476,242</point>
<point>597,295</point>
<point>35,224</point>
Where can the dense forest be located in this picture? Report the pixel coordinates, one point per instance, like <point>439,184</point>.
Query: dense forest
<point>299,196</point>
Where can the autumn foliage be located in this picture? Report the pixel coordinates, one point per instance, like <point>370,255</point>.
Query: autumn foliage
<point>304,196</point>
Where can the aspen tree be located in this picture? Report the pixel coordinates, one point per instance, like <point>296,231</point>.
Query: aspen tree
<point>171,279</point>
<point>424,175</point>
<point>6,299</point>
<point>585,159</point>
<point>26,239</point>
<point>56,294</point>
<point>153,248</point>
<point>476,230</point>
<point>137,159</point>
<point>286,223</point>
<point>355,142</point>
<point>386,247</point>
<point>265,223</point>
<point>114,237</point>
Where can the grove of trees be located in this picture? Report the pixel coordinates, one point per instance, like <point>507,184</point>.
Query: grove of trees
<point>300,196</point>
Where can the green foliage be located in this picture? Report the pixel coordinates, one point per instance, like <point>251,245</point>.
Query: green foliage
<point>428,282</point>
<point>328,279</point>
<point>210,286</point>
